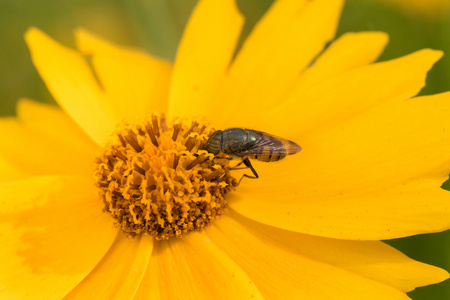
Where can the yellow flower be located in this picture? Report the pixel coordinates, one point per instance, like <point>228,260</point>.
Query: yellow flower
<point>371,167</point>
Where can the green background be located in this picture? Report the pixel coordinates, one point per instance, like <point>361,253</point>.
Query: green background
<point>157,26</point>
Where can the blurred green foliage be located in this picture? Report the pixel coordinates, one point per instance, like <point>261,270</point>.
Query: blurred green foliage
<point>157,26</point>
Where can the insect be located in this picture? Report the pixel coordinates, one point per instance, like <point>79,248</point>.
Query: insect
<point>248,143</point>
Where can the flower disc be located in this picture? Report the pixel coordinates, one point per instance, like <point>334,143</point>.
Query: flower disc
<point>154,178</point>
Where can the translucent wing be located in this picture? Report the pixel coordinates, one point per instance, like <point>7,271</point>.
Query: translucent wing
<point>269,147</point>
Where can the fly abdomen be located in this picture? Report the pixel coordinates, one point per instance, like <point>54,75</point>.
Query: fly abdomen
<point>270,157</point>
<point>270,148</point>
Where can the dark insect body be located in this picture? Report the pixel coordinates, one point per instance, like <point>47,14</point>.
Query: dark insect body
<point>250,144</point>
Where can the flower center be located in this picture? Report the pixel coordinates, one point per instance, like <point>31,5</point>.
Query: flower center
<point>154,179</point>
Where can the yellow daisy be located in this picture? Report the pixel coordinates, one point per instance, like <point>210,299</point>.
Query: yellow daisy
<point>371,167</point>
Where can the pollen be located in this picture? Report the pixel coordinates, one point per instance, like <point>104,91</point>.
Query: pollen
<point>154,179</point>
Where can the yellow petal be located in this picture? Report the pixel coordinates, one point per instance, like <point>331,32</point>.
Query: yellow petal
<point>45,142</point>
<point>310,109</point>
<point>119,273</point>
<point>350,51</point>
<point>9,171</point>
<point>72,83</point>
<point>286,265</point>
<point>377,176</point>
<point>135,82</point>
<point>149,289</point>
<point>407,209</point>
<point>54,124</point>
<point>203,56</point>
<point>53,233</point>
<point>194,268</point>
<point>281,46</point>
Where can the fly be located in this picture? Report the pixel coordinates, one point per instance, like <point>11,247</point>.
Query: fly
<point>250,144</point>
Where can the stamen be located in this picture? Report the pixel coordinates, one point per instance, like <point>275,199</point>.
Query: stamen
<point>122,140</point>
<point>202,130</point>
<point>176,131</point>
<point>214,174</point>
<point>196,161</point>
<point>131,138</point>
<point>139,169</point>
<point>190,143</point>
<point>153,179</point>
<point>155,125</point>
<point>193,125</point>
<point>151,134</point>
<point>118,154</point>
<point>176,158</point>
<point>163,123</point>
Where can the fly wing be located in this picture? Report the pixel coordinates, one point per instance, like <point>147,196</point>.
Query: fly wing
<point>270,148</point>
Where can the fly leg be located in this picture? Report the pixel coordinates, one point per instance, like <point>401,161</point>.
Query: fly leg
<point>236,167</point>
<point>247,164</point>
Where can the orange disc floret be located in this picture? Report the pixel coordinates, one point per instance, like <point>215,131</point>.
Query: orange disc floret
<point>154,179</point>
